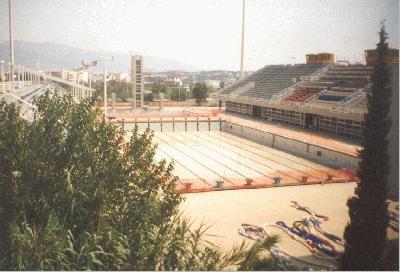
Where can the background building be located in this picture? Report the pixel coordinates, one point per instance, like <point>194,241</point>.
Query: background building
<point>74,76</point>
<point>371,56</point>
<point>138,82</point>
<point>320,58</point>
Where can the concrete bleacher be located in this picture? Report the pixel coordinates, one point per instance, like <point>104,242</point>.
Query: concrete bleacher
<point>348,76</point>
<point>272,79</point>
<point>302,94</point>
<point>317,84</point>
<point>256,77</point>
<point>320,86</point>
<point>286,77</point>
<point>337,84</point>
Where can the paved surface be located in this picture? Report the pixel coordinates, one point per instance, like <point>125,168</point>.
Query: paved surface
<point>225,211</point>
<point>202,158</point>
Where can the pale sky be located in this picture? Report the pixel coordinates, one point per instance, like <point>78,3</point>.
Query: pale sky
<point>206,33</point>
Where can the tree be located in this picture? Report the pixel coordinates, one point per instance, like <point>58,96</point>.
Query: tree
<point>365,234</point>
<point>200,92</point>
<point>123,90</point>
<point>75,194</point>
<point>157,88</point>
<point>148,97</point>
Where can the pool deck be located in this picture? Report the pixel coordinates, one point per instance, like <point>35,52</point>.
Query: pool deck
<point>177,113</point>
<point>204,159</point>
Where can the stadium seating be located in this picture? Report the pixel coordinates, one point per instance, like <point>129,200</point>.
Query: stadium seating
<point>286,77</point>
<point>340,83</point>
<point>302,94</point>
<point>261,74</point>
<point>334,86</point>
<point>348,76</point>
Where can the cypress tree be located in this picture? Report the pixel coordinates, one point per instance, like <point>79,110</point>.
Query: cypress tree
<point>365,234</point>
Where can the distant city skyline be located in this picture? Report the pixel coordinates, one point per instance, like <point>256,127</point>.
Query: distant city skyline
<point>206,34</point>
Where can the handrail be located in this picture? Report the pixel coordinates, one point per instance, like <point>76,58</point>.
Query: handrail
<point>82,90</point>
<point>289,90</point>
<point>29,109</point>
<point>312,98</point>
<point>317,74</point>
<point>331,108</point>
<point>21,100</point>
<point>67,82</point>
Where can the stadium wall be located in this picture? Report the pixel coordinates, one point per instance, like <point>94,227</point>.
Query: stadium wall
<point>339,124</point>
<point>313,152</point>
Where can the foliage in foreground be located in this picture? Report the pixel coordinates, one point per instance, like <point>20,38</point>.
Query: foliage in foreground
<point>76,195</point>
<point>365,235</point>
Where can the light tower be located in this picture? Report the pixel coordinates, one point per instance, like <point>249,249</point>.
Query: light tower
<point>11,44</point>
<point>104,61</point>
<point>137,82</point>
<point>242,48</point>
<point>89,64</point>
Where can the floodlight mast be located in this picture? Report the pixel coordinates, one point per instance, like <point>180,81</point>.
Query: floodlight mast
<point>104,61</point>
<point>89,64</point>
<point>242,48</point>
<point>10,30</point>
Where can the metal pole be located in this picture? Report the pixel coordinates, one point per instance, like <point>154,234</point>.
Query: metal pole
<point>105,89</point>
<point>242,49</point>
<point>9,79</point>
<point>2,76</point>
<point>11,43</point>
<point>18,79</point>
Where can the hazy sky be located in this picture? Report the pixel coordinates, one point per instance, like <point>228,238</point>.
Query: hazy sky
<point>206,33</point>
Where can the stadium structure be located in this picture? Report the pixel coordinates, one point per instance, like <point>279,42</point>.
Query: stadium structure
<point>24,84</point>
<point>319,95</point>
<point>325,97</point>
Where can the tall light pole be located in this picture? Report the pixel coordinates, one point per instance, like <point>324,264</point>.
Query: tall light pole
<point>2,76</point>
<point>104,61</point>
<point>89,64</point>
<point>11,42</point>
<point>10,82</point>
<point>242,48</point>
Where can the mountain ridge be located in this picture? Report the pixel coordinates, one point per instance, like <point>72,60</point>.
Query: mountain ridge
<point>51,55</point>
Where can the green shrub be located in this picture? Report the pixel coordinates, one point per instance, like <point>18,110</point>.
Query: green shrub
<point>76,195</point>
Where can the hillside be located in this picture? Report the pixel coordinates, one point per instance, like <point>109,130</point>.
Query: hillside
<point>58,56</point>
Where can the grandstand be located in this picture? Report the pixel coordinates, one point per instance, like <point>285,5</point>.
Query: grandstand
<point>328,97</point>
<point>30,83</point>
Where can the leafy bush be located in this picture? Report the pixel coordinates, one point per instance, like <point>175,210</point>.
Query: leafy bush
<point>76,194</point>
